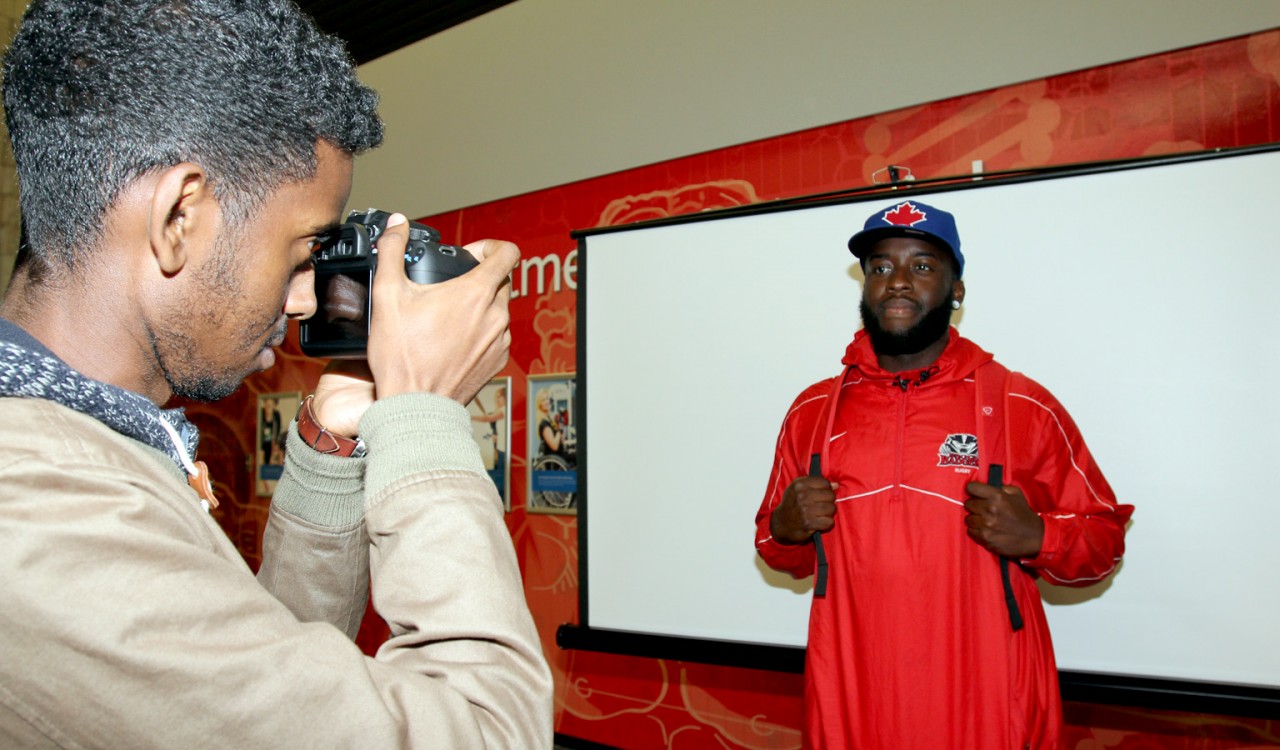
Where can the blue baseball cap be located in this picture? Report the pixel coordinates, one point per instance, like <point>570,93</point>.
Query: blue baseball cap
<point>910,219</point>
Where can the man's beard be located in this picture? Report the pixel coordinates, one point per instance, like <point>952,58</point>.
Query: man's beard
<point>932,327</point>
<point>202,386</point>
<point>180,356</point>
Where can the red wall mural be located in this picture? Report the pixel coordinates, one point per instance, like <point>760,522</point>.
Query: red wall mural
<point>1217,95</point>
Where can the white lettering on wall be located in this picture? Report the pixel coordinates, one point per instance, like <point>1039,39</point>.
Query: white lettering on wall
<point>545,274</point>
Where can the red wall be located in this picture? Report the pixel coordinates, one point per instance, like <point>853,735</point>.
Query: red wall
<point>1218,95</point>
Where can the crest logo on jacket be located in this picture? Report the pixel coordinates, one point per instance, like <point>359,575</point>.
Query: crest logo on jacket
<point>959,449</point>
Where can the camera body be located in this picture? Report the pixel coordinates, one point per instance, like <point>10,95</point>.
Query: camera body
<point>344,265</point>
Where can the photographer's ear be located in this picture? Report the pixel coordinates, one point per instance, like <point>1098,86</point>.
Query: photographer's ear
<point>181,206</point>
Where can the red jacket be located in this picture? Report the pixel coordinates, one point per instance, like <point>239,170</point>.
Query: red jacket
<point>912,646</point>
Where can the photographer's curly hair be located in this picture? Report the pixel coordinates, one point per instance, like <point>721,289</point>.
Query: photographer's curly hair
<point>100,92</point>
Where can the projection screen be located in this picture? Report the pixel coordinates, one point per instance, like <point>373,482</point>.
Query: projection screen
<point>1142,295</point>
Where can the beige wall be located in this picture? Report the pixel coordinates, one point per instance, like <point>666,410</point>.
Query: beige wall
<point>543,92</point>
<point>10,12</point>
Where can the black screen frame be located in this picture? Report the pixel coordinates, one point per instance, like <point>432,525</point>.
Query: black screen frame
<point>1108,689</point>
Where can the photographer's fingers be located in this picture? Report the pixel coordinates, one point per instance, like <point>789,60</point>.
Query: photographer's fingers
<point>491,363</point>
<point>493,277</point>
<point>391,245</point>
<point>448,338</point>
<point>498,259</point>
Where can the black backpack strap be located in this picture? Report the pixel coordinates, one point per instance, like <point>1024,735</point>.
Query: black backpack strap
<point>820,552</point>
<point>991,401</point>
<point>821,439</point>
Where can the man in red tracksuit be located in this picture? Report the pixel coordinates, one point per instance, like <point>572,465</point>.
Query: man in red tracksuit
<point>913,645</point>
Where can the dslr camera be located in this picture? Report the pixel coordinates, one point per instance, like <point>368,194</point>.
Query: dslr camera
<point>344,265</point>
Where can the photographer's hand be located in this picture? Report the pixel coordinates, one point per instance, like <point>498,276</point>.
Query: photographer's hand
<point>344,393</point>
<point>448,338</point>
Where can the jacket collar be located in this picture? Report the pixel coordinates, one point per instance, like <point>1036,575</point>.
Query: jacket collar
<point>29,370</point>
<point>957,362</point>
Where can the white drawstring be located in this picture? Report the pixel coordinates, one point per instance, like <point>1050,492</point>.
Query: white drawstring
<point>187,463</point>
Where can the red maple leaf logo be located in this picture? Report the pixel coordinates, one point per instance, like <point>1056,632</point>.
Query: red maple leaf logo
<point>904,215</point>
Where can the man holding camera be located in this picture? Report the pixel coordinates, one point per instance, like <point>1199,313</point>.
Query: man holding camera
<point>179,161</point>
<point>932,486</point>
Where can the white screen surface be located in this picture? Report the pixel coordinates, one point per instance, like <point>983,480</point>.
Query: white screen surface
<point>1143,299</point>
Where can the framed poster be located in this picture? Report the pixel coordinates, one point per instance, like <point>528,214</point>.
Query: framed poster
<point>275,412</point>
<point>490,426</point>
<point>553,444</point>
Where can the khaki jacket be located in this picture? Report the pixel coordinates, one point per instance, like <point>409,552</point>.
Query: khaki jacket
<point>128,620</point>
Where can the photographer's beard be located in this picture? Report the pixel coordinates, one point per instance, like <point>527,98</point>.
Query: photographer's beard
<point>199,379</point>
<point>207,346</point>
<point>928,330</point>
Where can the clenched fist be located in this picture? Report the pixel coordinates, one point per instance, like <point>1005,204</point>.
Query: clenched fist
<point>808,505</point>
